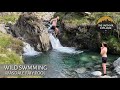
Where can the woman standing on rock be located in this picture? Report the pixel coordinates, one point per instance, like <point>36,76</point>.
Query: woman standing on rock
<point>104,56</point>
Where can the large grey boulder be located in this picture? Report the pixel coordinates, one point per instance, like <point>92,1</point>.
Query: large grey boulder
<point>30,26</point>
<point>116,62</point>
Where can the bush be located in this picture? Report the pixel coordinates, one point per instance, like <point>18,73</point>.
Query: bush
<point>113,45</point>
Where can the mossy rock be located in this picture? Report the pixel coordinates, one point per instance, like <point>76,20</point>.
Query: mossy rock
<point>74,20</point>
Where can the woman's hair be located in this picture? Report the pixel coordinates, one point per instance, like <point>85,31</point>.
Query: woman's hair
<point>104,43</point>
<point>58,17</point>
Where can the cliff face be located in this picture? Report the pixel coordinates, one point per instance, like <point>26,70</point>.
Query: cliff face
<point>80,31</point>
<point>31,28</point>
<point>82,37</point>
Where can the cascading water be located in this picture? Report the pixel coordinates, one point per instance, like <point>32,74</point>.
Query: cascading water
<point>58,47</point>
<point>28,50</point>
<point>55,42</point>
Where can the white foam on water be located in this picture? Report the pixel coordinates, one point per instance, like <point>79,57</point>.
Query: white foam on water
<point>28,50</point>
<point>56,45</point>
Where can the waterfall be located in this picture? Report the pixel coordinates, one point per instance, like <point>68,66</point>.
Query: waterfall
<point>28,50</point>
<point>54,42</point>
<point>56,45</point>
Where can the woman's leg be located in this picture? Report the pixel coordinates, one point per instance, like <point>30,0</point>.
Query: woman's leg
<point>104,68</point>
<point>56,31</point>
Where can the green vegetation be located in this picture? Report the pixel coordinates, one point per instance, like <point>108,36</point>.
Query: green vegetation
<point>8,50</point>
<point>7,18</point>
<point>60,14</point>
<point>7,41</point>
<point>9,57</point>
<point>113,45</point>
<point>4,40</point>
<point>10,47</point>
<point>96,15</point>
<point>77,19</point>
<point>71,21</point>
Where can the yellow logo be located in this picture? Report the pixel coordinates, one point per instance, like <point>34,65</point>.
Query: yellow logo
<point>106,25</point>
<point>105,19</point>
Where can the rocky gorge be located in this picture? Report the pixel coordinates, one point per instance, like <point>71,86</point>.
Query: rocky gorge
<point>31,28</point>
<point>78,29</point>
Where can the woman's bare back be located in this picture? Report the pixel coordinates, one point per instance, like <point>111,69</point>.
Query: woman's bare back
<point>103,51</point>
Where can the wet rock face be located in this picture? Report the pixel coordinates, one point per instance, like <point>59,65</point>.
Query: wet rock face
<point>117,62</point>
<point>30,26</point>
<point>77,34</point>
<point>116,65</point>
<point>82,37</point>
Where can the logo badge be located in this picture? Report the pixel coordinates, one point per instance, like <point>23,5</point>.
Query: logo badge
<point>106,25</point>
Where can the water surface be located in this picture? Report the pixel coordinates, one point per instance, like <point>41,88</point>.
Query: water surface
<point>58,61</point>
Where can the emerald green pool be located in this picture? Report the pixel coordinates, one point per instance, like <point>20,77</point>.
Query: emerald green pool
<point>57,61</point>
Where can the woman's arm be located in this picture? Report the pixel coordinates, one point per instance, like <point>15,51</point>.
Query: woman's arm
<point>52,20</point>
<point>102,51</point>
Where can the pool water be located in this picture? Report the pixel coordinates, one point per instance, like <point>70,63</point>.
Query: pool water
<point>58,61</point>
